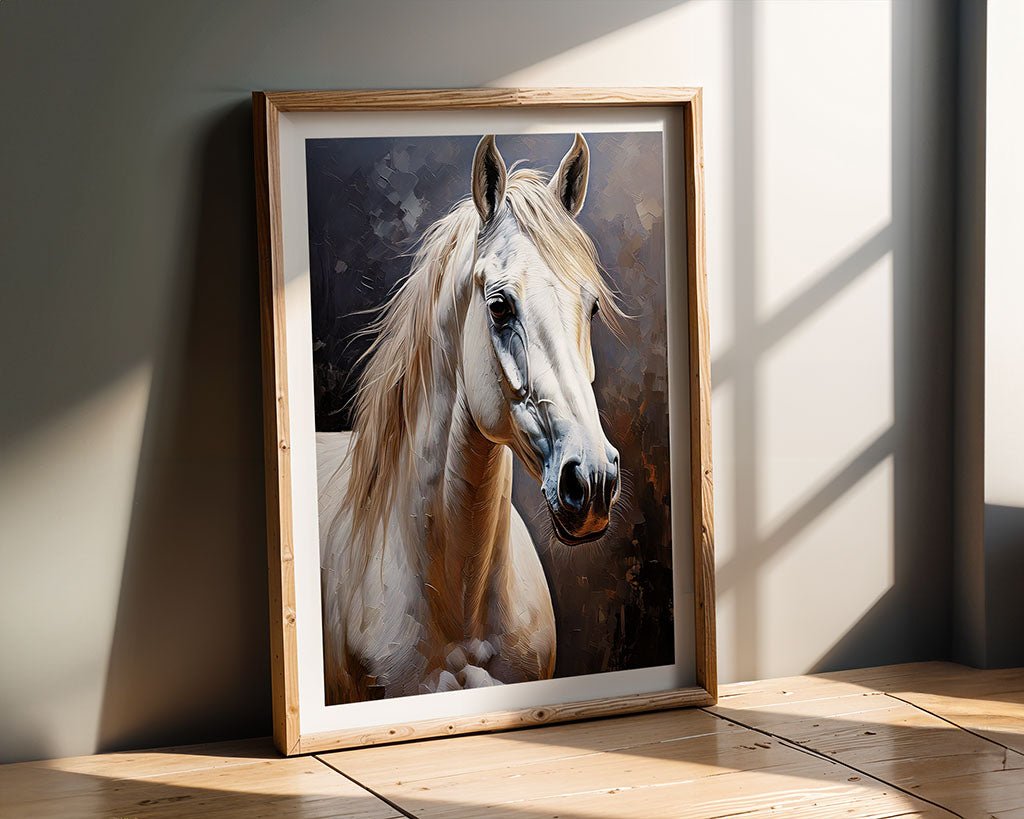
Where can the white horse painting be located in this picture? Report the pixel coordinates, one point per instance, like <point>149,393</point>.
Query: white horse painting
<point>430,579</point>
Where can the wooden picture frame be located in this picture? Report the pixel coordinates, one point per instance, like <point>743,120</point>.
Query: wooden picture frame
<point>268,110</point>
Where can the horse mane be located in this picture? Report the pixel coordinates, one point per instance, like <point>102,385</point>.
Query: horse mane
<point>395,380</point>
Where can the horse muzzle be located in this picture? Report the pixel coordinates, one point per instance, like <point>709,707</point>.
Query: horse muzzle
<point>580,493</point>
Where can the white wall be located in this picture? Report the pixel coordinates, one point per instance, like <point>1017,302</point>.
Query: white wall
<point>134,600</point>
<point>1004,269</point>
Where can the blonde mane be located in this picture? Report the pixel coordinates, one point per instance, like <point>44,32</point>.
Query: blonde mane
<point>395,383</point>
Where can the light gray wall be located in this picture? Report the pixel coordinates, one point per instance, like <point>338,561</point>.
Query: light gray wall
<point>133,594</point>
<point>969,611</point>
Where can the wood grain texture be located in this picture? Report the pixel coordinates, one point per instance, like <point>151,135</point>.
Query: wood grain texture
<point>999,719</point>
<point>989,703</point>
<point>853,719</point>
<point>701,478</point>
<point>480,753</point>
<point>440,99</point>
<point>669,764</point>
<point>876,680</point>
<point>505,720</point>
<point>277,448</point>
<point>267,108</point>
<point>820,746</point>
<point>240,779</point>
<point>797,789</point>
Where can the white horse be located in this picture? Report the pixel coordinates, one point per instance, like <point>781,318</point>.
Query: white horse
<point>430,579</point>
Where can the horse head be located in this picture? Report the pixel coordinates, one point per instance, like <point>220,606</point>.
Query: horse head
<point>528,365</point>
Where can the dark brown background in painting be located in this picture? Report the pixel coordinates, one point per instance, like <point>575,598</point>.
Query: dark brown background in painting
<point>370,199</point>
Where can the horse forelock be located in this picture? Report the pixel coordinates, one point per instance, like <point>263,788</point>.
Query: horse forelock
<point>567,250</point>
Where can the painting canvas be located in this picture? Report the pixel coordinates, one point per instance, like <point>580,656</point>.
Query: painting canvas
<point>490,370</point>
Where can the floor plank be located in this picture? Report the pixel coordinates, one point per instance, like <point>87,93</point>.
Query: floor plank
<point>894,741</point>
<point>926,739</point>
<point>240,779</point>
<point>795,790</point>
<point>683,763</point>
<point>475,754</point>
<point>997,717</point>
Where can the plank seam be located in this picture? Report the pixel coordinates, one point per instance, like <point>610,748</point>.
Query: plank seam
<point>816,753</point>
<point>393,805</point>
<point>947,720</point>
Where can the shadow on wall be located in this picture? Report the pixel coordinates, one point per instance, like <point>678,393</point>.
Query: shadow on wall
<point>189,660</point>
<point>911,620</point>
<point>1004,570</point>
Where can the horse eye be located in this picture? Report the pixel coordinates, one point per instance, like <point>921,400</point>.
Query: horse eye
<point>594,310</point>
<point>499,308</point>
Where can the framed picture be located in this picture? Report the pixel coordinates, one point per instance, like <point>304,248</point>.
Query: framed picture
<point>487,404</point>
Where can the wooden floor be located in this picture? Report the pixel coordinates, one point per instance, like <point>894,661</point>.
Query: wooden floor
<point>931,739</point>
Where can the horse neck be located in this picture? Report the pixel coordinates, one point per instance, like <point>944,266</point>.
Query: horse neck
<point>460,498</point>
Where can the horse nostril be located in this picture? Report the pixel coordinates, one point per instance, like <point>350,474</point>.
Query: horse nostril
<point>572,487</point>
<point>611,482</point>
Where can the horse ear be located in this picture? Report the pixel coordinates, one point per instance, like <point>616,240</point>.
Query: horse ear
<point>569,183</point>
<point>489,177</point>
